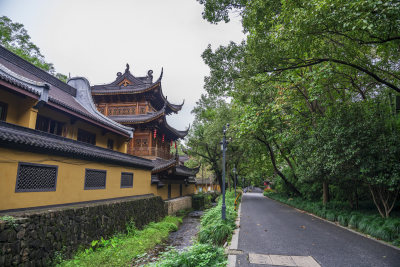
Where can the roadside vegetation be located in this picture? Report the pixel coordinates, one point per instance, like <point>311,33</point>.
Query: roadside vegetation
<point>121,249</point>
<point>312,96</point>
<point>213,234</point>
<point>364,219</point>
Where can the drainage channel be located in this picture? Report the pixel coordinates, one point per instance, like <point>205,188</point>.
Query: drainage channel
<point>181,239</point>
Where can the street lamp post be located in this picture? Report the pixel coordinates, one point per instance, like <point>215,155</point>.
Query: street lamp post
<point>223,147</point>
<point>234,177</point>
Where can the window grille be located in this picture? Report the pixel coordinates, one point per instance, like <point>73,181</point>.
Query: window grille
<point>126,180</point>
<point>36,177</point>
<point>95,179</point>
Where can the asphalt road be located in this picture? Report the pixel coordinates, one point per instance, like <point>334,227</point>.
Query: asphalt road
<point>269,227</point>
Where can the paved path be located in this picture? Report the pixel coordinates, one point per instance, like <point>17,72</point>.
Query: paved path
<point>271,233</point>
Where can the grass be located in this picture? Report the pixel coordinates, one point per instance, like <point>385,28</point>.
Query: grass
<point>213,229</point>
<point>198,255</point>
<point>214,232</point>
<point>363,220</point>
<point>122,248</point>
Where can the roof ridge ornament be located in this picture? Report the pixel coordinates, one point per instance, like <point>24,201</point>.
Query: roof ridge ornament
<point>127,68</point>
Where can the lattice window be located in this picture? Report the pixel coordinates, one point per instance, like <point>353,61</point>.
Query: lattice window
<point>36,177</point>
<point>126,180</point>
<point>95,179</point>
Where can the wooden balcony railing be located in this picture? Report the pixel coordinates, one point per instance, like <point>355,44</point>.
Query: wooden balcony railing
<point>150,151</point>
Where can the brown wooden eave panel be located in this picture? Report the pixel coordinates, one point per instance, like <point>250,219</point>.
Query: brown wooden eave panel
<point>15,88</point>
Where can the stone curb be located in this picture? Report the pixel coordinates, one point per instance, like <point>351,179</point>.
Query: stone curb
<point>338,225</point>
<point>232,250</point>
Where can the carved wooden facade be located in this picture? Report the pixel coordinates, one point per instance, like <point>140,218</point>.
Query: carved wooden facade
<point>139,102</point>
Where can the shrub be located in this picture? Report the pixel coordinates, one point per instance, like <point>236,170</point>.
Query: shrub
<point>355,220</point>
<point>330,216</point>
<point>213,229</point>
<point>343,219</point>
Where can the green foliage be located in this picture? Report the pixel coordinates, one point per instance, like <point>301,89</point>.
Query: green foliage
<point>195,256</point>
<point>9,220</point>
<point>312,89</point>
<point>122,248</point>
<point>213,229</point>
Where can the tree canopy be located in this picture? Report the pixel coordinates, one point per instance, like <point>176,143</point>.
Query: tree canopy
<point>314,89</point>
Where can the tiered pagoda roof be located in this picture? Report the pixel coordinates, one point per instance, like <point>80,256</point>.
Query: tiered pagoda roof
<point>126,84</point>
<point>127,87</point>
<point>124,92</point>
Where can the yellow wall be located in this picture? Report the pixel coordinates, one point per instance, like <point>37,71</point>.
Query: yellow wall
<point>20,110</point>
<point>189,190</point>
<point>175,190</point>
<point>163,191</point>
<point>72,129</point>
<point>70,181</point>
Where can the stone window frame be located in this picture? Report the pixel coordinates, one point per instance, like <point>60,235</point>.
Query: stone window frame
<point>20,166</point>
<point>127,173</point>
<point>95,188</point>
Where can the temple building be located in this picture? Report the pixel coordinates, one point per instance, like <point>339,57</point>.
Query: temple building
<point>55,147</point>
<point>139,103</point>
<point>59,147</point>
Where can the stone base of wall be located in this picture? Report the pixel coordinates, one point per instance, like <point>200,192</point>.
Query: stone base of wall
<point>176,204</point>
<point>32,238</point>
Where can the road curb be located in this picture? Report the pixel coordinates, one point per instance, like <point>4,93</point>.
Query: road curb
<point>337,224</point>
<point>235,240</point>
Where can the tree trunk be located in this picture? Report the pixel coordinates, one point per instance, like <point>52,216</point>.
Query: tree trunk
<point>284,178</point>
<point>384,199</point>
<point>325,192</point>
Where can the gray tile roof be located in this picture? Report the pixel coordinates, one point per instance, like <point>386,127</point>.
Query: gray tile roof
<point>22,74</point>
<point>185,171</point>
<point>162,164</point>
<point>17,137</point>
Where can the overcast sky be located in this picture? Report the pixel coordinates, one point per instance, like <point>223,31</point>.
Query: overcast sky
<point>96,39</point>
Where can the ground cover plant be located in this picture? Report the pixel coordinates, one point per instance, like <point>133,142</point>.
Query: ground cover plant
<point>363,220</point>
<point>122,248</point>
<point>214,232</point>
<point>195,256</point>
<point>213,229</point>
